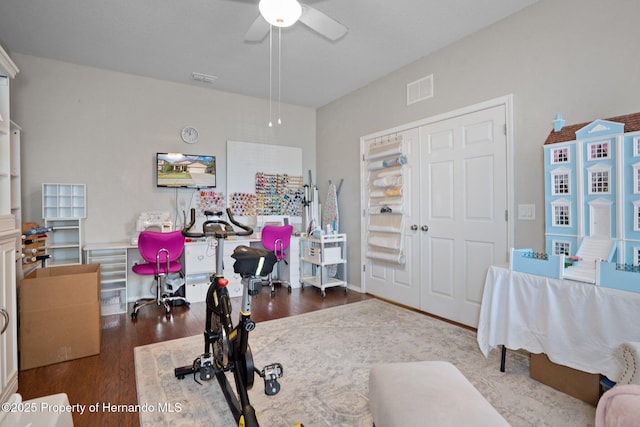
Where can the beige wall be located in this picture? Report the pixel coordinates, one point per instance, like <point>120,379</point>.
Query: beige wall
<point>574,57</point>
<point>101,128</point>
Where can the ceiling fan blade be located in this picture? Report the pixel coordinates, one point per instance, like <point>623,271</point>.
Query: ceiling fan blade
<point>321,23</point>
<point>257,31</point>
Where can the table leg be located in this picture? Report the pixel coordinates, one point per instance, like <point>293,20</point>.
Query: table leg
<point>503,357</point>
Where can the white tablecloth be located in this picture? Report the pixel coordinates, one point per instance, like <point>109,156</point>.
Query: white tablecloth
<point>575,324</point>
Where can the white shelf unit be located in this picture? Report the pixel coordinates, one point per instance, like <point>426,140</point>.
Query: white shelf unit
<point>65,241</point>
<point>64,200</point>
<point>14,172</point>
<point>5,147</point>
<point>113,275</point>
<point>63,208</point>
<point>323,262</point>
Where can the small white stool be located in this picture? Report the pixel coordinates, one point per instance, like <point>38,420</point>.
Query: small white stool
<point>427,393</point>
<point>42,412</point>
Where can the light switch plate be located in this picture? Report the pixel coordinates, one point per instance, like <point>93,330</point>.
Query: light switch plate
<point>527,212</point>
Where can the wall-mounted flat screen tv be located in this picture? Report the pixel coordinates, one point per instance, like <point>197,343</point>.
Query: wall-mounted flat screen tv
<point>185,170</point>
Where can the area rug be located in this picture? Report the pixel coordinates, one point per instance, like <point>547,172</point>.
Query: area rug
<point>326,357</point>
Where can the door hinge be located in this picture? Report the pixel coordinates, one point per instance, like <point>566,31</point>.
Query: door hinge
<point>506,215</point>
<point>504,129</point>
<point>364,267</point>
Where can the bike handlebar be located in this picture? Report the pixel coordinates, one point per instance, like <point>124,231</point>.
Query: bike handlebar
<point>208,228</point>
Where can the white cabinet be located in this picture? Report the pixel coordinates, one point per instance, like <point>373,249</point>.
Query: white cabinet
<point>323,261</point>
<point>289,271</point>
<point>8,316</point>
<point>199,263</point>
<point>9,232</point>
<point>294,262</point>
<point>65,242</point>
<point>113,275</point>
<point>235,280</point>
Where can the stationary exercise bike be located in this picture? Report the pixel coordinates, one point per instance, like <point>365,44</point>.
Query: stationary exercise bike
<point>226,348</point>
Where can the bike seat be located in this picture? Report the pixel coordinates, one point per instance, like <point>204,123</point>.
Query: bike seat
<point>253,261</point>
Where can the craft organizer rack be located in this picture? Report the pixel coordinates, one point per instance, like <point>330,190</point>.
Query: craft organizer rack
<point>34,246</point>
<point>275,194</point>
<point>385,160</point>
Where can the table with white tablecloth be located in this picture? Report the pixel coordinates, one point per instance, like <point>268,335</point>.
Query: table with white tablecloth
<point>575,324</point>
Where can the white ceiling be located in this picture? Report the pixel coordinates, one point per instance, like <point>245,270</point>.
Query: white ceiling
<point>171,39</point>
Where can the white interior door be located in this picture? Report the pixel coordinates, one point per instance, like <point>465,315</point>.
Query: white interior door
<point>463,227</point>
<point>389,280</point>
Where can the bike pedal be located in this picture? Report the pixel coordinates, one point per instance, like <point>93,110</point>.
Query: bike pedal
<point>206,371</point>
<point>271,386</point>
<point>272,371</point>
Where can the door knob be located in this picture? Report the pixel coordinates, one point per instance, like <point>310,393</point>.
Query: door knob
<point>414,227</point>
<point>5,314</point>
<point>424,228</point>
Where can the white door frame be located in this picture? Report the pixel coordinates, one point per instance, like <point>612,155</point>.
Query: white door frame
<point>507,101</point>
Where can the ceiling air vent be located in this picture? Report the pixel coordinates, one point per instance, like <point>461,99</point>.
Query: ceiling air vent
<point>420,90</point>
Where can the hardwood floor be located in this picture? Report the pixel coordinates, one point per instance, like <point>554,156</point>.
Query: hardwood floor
<point>109,378</point>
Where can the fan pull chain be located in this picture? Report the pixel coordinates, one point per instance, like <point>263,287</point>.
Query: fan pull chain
<point>270,70</point>
<point>279,71</point>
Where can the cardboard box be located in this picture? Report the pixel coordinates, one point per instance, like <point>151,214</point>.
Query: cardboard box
<point>579,384</point>
<point>59,314</point>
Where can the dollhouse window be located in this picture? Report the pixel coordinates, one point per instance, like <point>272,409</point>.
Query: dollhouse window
<point>599,181</point>
<point>636,256</point>
<point>598,150</point>
<point>636,178</point>
<point>560,183</point>
<point>561,215</point>
<point>636,215</point>
<point>636,146</point>
<point>560,155</point>
<point>561,248</point>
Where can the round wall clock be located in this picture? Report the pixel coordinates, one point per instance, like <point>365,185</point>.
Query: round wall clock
<point>189,134</point>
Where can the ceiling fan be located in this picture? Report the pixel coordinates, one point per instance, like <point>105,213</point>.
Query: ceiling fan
<point>284,13</point>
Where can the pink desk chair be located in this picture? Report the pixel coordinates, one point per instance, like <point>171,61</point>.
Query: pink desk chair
<point>160,252</point>
<point>276,238</point>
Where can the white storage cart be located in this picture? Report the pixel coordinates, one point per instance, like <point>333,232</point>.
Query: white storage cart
<point>323,261</point>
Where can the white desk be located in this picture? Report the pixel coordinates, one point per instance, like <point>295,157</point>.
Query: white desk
<point>118,287</point>
<point>575,324</point>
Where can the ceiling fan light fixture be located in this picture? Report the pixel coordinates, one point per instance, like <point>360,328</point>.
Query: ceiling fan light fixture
<point>280,13</point>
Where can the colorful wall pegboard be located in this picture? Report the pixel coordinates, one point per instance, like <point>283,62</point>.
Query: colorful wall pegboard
<point>243,204</point>
<point>279,194</point>
<point>210,201</point>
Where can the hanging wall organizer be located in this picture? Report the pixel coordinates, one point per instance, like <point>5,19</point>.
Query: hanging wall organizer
<point>385,159</point>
